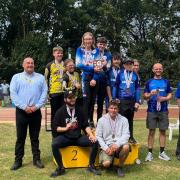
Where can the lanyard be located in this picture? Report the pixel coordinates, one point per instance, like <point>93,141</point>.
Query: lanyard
<point>60,68</point>
<point>128,79</point>
<point>115,72</point>
<point>113,126</point>
<point>71,113</point>
<point>72,78</point>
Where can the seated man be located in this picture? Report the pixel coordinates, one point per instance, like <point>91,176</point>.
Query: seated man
<point>112,133</point>
<point>68,122</point>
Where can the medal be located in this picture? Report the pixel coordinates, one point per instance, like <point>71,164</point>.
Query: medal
<point>128,79</point>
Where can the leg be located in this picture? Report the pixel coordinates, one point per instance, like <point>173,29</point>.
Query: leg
<point>56,102</point>
<point>178,144</point>
<point>151,138</point>
<point>100,100</point>
<point>34,130</point>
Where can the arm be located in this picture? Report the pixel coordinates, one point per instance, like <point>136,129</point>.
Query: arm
<point>108,89</point>
<point>115,88</point>
<point>125,133</point>
<point>43,97</point>
<point>14,94</point>
<point>99,135</point>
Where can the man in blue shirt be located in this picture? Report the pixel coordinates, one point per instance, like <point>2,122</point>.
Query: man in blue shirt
<point>127,91</point>
<point>28,91</point>
<point>178,103</point>
<point>157,92</point>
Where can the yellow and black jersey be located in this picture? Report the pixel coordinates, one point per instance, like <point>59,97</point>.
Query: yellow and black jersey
<point>54,77</point>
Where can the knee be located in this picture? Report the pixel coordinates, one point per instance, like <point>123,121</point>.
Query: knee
<point>151,132</point>
<point>106,164</point>
<point>126,148</point>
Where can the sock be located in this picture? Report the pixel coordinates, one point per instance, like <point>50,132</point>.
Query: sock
<point>161,149</point>
<point>150,150</point>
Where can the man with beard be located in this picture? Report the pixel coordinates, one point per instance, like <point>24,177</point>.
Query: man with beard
<point>69,120</point>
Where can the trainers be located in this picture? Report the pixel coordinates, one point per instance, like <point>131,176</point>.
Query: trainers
<point>164,156</point>
<point>120,172</point>
<point>149,157</point>
<point>58,172</point>
<point>93,170</point>
<point>178,157</point>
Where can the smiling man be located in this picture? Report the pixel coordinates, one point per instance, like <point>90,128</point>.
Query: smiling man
<point>157,92</point>
<point>28,92</point>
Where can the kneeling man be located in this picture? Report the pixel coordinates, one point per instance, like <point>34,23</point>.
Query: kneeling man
<point>69,120</point>
<point>112,133</point>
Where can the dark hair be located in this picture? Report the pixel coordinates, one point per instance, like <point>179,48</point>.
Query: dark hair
<point>101,40</point>
<point>114,103</point>
<point>67,61</point>
<point>116,55</point>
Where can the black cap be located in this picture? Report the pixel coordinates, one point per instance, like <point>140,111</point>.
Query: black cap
<point>69,93</point>
<point>128,60</point>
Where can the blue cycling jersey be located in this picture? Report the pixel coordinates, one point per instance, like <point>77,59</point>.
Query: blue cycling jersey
<point>163,87</point>
<point>121,89</point>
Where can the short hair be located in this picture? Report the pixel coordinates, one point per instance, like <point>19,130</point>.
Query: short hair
<point>114,103</point>
<point>101,40</point>
<point>57,48</point>
<point>68,61</point>
<point>116,55</point>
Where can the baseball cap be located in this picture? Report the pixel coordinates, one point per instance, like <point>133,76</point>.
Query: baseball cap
<point>69,93</point>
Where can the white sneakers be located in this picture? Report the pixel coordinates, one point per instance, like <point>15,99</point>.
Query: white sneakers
<point>162,156</point>
<point>149,157</point>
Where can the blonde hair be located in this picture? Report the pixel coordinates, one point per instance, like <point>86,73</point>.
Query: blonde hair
<point>57,48</point>
<point>82,41</point>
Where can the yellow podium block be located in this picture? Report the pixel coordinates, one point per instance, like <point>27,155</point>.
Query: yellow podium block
<point>76,157</point>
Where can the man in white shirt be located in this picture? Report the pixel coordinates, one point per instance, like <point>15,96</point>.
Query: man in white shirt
<point>112,133</point>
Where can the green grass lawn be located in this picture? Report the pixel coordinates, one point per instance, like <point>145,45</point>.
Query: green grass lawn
<point>157,169</point>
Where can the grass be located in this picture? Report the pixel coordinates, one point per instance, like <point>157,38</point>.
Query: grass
<point>157,169</point>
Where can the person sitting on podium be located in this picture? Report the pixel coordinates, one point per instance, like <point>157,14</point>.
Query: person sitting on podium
<point>69,120</point>
<point>112,133</point>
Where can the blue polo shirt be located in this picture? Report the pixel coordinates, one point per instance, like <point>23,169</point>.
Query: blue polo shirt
<point>164,88</point>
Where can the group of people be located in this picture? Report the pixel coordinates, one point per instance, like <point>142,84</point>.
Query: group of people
<point>4,93</point>
<point>73,88</point>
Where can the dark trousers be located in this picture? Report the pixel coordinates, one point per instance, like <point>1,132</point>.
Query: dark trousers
<point>101,93</point>
<point>126,109</point>
<point>89,100</point>
<point>23,120</point>
<point>56,102</point>
<point>83,141</point>
<point>178,142</point>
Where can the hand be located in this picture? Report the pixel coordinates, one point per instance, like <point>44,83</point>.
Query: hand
<point>114,147</point>
<point>136,106</point>
<point>92,83</point>
<point>92,138</point>
<point>110,98</point>
<point>108,151</point>
<point>104,62</point>
<point>28,110</point>
<point>68,126</point>
<point>117,101</point>
<point>154,92</point>
<point>33,108</point>
<point>77,85</point>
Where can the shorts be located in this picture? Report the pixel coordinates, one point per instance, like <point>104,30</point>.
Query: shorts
<point>157,120</point>
<point>105,157</point>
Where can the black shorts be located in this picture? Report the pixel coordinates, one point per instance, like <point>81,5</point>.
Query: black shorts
<point>157,120</point>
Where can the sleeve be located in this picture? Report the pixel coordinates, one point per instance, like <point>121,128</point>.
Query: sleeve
<point>43,97</point>
<point>115,88</point>
<point>125,133</point>
<point>169,89</point>
<point>85,123</point>
<point>178,91</point>
<point>146,89</point>
<point>47,74</point>
<point>99,135</point>
<point>14,94</point>
<point>108,78</point>
<point>56,123</point>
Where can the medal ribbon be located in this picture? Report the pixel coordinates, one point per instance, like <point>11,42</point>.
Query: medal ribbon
<point>71,113</point>
<point>113,127</point>
<point>72,78</point>
<point>128,79</point>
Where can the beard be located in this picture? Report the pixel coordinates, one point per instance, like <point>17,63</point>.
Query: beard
<point>71,105</point>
